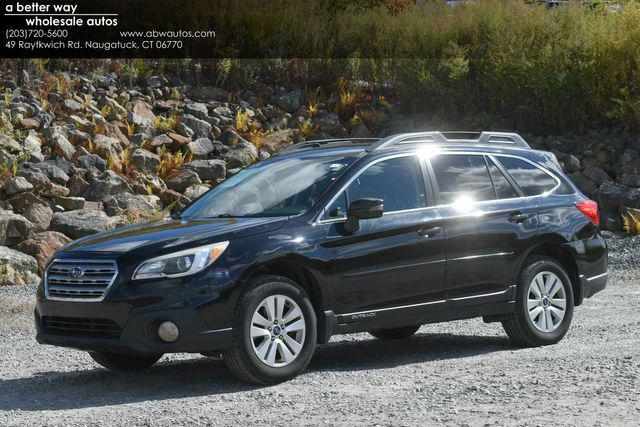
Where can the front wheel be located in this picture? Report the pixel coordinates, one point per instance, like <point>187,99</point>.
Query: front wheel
<point>274,332</point>
<point>124,362</point>
<point>544,304</point>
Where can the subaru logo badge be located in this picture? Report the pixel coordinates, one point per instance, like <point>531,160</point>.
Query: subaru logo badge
<point>76,272</point>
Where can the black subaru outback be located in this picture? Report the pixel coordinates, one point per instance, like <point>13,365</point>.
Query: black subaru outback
<point>334,237</point>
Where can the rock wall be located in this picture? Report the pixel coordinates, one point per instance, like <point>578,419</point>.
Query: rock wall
<point>82,155</point>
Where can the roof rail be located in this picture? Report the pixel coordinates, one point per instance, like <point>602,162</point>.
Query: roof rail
<point>479,138</point>
<point>322,142</point>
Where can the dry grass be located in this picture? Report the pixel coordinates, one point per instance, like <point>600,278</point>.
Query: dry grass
<point>631,223</point>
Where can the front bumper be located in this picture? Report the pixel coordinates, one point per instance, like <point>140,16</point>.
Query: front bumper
<point>137,335</point>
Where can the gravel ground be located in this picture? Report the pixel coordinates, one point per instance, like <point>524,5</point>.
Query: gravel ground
<point>459,373</point>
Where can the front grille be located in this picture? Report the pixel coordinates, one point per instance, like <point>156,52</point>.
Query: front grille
<point>79,280</point>
<point>76,326</point>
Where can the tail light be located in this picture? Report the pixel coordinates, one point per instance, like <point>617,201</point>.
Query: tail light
<point>590,209</point>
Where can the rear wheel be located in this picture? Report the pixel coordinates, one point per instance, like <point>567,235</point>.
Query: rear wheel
<point>395,333</point>
<point>124,362</point>
<point>544,304</point>
<point>274,332</point>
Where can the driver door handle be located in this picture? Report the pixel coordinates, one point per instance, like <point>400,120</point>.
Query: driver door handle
<point>429,232</point>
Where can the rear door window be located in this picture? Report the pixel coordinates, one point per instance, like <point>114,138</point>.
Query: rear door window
<point>532,180</point>
<point>462,177</point>
<point>504,189</point>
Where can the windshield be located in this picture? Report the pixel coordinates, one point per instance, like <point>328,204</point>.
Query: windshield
<point>279,187</point>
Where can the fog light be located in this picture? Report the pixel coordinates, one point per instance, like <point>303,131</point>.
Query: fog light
<point>168,331</point>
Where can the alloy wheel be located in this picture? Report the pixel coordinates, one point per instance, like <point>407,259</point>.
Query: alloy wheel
<point>278,330</point>
<point>547,301</point>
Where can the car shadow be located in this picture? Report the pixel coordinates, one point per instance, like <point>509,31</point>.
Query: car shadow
<point>202,376</point>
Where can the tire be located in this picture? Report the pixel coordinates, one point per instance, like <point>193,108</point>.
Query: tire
<point>530,327</point>
<point>269,356</point>
<point>395,333</point>
<point>124,362</point>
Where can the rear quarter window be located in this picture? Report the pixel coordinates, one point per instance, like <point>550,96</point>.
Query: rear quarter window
<point>532,180</point>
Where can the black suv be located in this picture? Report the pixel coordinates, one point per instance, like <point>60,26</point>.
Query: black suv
<point>334,237</point>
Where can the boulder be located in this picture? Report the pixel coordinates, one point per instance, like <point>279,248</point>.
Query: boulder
<point>183,180</point>
<point>21,202</point>
<point>231,138</point>
<point>17,268</point>
<point>145,161</point>
<point>585,185</point>
<point>200,148</point>
<point>630,179</point>
<point>161,140</point>
<point>132,203</point>
<point>81,223</point>
<point>596,174</point>
<point>40,216</point>
<point>197,109</point>
<point>92,161</point>
<point>195,191</point>
<point>290,101</point>
<point>16,185</point>
<point>14,228</point>
<point>62,147</point>
<point>77,186</point>
<point>106,147</point>
<point>43,246</point>
<point>200,128</point>
<point>241,155</point>
<point>106,184</point>
<point>70,203</point>
<point>53,190</point>
<point>329,123</point>
<point>208,170</point>
<point>611,196</point>
<point>173,199</point>
<point>280,140</point>
<point>141,114</point>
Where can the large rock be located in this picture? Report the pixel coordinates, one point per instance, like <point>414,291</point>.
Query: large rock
<point>241,155</point>
<point>611,196</point>
<point>596,174</point>
<point>200,148</point>
<point>21,202</point>
<point>106,184</point>
<point>197,109</point>
<point>62,147</point>
<point>16,185</point>
<point>183,180</point>
<point>49,169</point>
<point>17,268</point>
<point>145,161</point>
<point>329,123</point>
<point>585,185</point>
<point>14,228</point>
<point>280,140</point>
<point>141,114</point>
<point>200,128</point>
<point>81,223</point>
<point>137,205</point>
<point>40,216</point>
<point>290,101</point>
<point>42,246</point>
<point>195,191</point>
<point>173,199</point>
<point>630,179</point>
<point>208,170</point>
<point>106,147</point>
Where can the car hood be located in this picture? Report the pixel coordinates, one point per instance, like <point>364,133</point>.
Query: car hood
<point>168,234</point>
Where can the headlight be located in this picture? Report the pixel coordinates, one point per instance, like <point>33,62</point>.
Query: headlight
<point>181,263</point>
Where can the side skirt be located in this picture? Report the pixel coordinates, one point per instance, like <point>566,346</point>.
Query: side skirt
<point>492,304</point>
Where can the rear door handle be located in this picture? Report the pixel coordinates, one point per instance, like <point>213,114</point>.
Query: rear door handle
<point>429,232</point>
<point>518,218</point>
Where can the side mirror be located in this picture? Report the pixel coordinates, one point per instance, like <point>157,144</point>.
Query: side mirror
<point>362,209</point>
